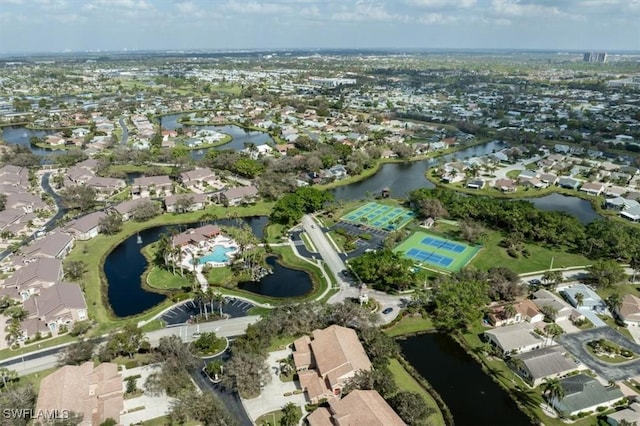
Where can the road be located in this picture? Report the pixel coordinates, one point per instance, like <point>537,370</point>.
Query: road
<point>48,358</point>
<point>125,131</point>
<point>324,247</point>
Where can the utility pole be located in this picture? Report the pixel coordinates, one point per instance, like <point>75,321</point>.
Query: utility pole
<point>551,264</point>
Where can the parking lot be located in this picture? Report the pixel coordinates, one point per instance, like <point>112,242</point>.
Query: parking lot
<point>375,243</point>
<point>576,344</point>
<point>182,313</point>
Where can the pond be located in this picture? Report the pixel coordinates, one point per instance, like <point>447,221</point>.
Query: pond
<point>471,395</point>
<point>125,265</point>
<point>576,207</point>
<point>240,136</point>
<point>284,282</point>
<point>20,135</point>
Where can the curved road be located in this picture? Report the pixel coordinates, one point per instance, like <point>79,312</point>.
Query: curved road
<point>125,131</point>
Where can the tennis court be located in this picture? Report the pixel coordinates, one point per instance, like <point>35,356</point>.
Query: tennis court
<point>381,216</point>
<point>430,251</point>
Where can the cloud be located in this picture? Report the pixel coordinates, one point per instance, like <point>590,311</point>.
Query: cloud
<point>258,8</point>
<point>366,11</point>
<point>118,4</point>
<point>442,4</point>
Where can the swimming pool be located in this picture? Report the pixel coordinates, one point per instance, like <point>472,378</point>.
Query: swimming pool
<point>218,255</point>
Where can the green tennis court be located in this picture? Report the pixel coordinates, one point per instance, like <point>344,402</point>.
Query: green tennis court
<point>429,251</point>
<point>380,216</point>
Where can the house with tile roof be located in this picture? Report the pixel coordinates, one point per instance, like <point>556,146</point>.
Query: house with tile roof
<point>629,310</point>
<point>360,407</point>
<point>327,360</point>
<point>94,392</point>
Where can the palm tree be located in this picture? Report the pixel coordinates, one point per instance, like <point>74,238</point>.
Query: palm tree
<point>579,299</point>
<point>614,301</point>
<point>509,312</point>
<point>634,263</point>
<point>220,300</point>
<point>553,278</point>
<point>553,389</point>
<point>7,376</point>
<point>516,364</point>
<point>549,312</point>
<point>553,330</point>
<point>14,332</point>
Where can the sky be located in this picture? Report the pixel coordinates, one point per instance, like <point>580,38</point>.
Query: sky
<point>114,25</point>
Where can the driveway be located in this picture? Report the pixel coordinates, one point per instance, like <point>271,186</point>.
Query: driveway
<point>272,397</point>
<point>154,406</point>
<point>576,344</point>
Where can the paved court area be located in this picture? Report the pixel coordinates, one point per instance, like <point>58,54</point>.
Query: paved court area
<point>429,250</point>
<point>182,313</point>
<point>576,344</point>
<point>154,406</point>
<point>380,216</point>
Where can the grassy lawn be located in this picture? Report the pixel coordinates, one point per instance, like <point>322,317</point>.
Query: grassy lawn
<point>94,252</point>
<point>407,383</point>
<point>165,280</point>
<point>622,289</point>
<point>34,378</point>
<point>280,343</point>
<point>140,359</point>
<point>274,231</point>
<point>539,257</point>
<point>154,325</point>
<point>513,174</point>
<point>410,324</point>
<point>612,323</point>
<point>221,276</point>
<point>273,418</point>
<point>133,168</point>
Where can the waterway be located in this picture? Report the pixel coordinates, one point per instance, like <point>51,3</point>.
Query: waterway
<point>20,135</point>
<point>471,395</point>
<point>125,265</point>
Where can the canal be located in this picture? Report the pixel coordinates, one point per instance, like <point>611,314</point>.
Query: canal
<point>471,395</point>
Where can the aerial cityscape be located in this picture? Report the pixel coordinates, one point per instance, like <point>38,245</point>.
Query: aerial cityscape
<point>291,229</point>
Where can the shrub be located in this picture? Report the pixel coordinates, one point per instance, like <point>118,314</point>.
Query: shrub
<point>366,236</point>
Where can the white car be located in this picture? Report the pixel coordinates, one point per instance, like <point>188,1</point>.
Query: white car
<point>313,226</point>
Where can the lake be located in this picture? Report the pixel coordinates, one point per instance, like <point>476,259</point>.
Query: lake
<point>471,395</point>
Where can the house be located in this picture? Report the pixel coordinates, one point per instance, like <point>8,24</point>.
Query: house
<point>258,151</point>
<point>569,183</point>
<point>620,203</point>
<point>629,310</point>
<point>60,304</point>
<point>562,149</point>
<point>26,201</point>
<point>360,407</point>
<point>338,171</point>
<point>148,186</point>
<point>515,338</point>
<point>126,208</point>
<point>584,393</point>
<point>633,214</point>
<point>562,310</point>
<point>202,178</point>
<point>524,310</point>
<point>548,178</point>
<point>545,363</point>
<point>630,415</point>
<point>195,236</point>
<point>284,148</point>
<point>476,184</point>
<point>56,245</point>
<point>327,361</point>
<point>236,196</point>
<point>86,227</point>
<point>505,185</point>
<point>590,299</point>
<point>185,203</point>
<point>528,174</point>
<point>41,273</point>
<point>94,392</point>
<point>533,183</point>
<point>105,185</point>
<point>592,188</point>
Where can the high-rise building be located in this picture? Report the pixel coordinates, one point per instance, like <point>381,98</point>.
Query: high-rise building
<point>600,57</point>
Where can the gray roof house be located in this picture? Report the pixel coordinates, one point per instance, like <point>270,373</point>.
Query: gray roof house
<point>515,338</point>
<point>563,310</point>
<point>56,245</point>
<point>590,300</point>
<point>567,182</point>
<point>632,214</point>
<point>543,363</point>
<point>630,414</point>
<point>59,304</point>
<point>234,196</point>
<point>41,273</point>
<point>583,393</point>
<point>86,227</point>
<point>126,208</point>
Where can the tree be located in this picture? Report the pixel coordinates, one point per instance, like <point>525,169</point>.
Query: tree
<point>411,407</point>
<point>74,269</point>
<point>177,362</point>
<point>553,330</point>
<point>504,284</point>
<point>291,415</point>
<point>184,204</point>
<point>553,389</point>
<point>79,197</point>
<point>431,207</point>
<point>110,224</point>
<point>22,397</point>
<point>634,262</point>
<point>384,269</point>
<point>290,208</point>
<point>204,408</point>
<point>379,346</point>
<point>579,299</point>
<point>380,380</point>
<point>614,301</point>
<point>549,312</point>
<point>77,353</point>
<point>246,373</point>
<point>145,211</point>
<point>553,278</point>
<point>606,273</point>
<point>127,342</point>
<point>459,304</point>
<point>80,327</point>
<point>3,201</point>
<point>8,376</point>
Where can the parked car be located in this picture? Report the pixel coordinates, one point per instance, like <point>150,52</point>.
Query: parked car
<point>387,311</point>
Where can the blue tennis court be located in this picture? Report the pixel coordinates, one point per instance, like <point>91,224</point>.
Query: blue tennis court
<point>429,257</point>
<point>443,244</point>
